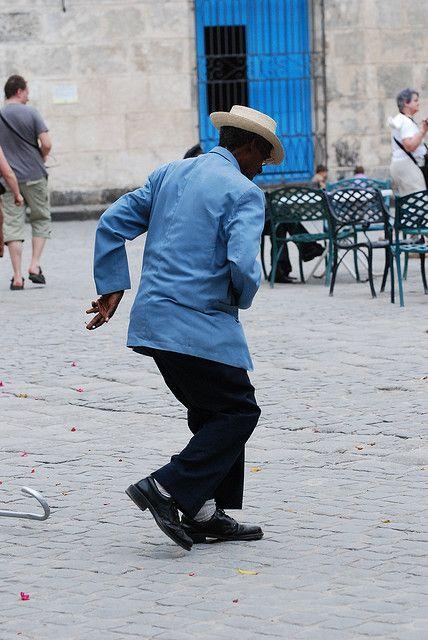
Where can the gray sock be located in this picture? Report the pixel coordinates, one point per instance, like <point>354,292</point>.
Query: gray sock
<point>161,489</point>
<point>206,512</point>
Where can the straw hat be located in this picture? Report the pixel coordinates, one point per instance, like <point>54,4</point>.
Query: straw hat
<point>254,121</point>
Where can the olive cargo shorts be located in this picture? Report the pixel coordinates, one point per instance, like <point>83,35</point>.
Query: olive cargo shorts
<point>36,197</point>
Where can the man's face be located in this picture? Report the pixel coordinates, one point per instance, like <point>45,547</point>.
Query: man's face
<point>253,158</point>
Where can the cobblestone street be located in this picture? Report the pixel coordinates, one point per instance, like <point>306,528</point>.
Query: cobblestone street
<point>336,470</point>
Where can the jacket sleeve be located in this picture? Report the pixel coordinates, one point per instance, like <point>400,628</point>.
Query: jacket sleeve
<point>124,220</point>
<point>243,230</point>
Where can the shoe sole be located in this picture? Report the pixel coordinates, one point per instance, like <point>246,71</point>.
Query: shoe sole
<point>204,538</point>
<point>137,498</point>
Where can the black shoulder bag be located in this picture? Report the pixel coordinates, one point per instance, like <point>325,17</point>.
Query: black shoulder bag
<point>424,169</point>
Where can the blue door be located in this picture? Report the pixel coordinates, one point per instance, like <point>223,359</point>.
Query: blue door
<point>257,53</point>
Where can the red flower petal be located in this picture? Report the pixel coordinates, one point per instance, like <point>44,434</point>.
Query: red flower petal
<point>73,429</point>
<point>24,596</point>
<point>24,454</point>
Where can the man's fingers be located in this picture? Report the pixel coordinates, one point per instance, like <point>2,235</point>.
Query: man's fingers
<point>92,310</point>
<point>96,322</point>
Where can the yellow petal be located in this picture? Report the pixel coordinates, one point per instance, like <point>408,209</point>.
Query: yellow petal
<point>247,572</point>
<point>255,469</point>
<point>386,521</point>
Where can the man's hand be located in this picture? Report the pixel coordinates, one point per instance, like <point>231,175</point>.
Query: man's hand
<point>104,307</point>
<point>19,200</point>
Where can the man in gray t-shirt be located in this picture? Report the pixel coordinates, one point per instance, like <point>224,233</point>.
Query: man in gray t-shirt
<point>26,143</point>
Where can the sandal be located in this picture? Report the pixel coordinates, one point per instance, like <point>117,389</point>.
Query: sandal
<point>16,287</point>
<point>37,278</point>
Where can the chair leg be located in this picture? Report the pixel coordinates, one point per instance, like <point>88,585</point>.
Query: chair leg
<point>385,271</point>
<point>273,271</point>
<point>399,278</point>
<point>391,268</point>
<point>302,275</point>
<point>370,270</point>
<point>262,256</point>
<point>328,263</point>
<point>276,254</point>
<point>333,271</point>
<point>424,277</point>
<point>355,252</point>
<point>406,260</point>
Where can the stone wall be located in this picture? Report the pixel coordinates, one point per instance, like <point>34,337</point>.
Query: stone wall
<point>131,65</point>
<point>127,70</point>
<point>375,48</point>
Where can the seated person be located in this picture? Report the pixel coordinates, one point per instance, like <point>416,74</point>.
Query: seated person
<point>320,176</point>
<point>309,250</point>
<point>359,172</point>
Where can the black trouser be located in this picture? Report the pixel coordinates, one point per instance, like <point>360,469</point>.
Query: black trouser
<point>222,413</point>
<point>306,248</point>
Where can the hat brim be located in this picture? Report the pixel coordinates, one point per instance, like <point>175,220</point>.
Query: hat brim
<point>227,119</point>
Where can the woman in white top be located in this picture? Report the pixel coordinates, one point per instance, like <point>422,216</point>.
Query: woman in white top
<point>405,171</point>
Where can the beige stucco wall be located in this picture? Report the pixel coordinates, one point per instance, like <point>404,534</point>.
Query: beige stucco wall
<point>133,64</point>
<point>375,48</point>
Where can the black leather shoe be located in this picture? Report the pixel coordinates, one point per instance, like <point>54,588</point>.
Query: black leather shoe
<point>281,277</point>
<point>146,496</point>
<point>220,527</point>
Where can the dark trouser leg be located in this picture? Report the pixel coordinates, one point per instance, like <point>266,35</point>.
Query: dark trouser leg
<point>212,464</point>
<point>231,488</point>
<point>284,264</point>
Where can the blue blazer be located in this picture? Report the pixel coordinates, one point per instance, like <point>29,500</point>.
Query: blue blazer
<point>203,219</point>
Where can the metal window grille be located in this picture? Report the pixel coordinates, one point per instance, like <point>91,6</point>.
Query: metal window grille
<point>269,55</point>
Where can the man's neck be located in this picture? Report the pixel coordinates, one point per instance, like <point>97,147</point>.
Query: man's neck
<point>13,100</point>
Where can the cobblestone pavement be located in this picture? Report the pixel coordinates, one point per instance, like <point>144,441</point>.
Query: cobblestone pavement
<point>335,470</point>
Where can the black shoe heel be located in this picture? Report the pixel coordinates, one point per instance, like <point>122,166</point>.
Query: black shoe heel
<point>136,497</point>
<point>198,537</point>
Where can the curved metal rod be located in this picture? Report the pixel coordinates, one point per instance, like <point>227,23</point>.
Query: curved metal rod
<point>30,516</point>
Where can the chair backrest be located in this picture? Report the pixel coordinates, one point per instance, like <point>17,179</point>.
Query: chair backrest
<point>412,213</point>
<point>297,204</point>
<point>351,207</point>
<point>359,183</point>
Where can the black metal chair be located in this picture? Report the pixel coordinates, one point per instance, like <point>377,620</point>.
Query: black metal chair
<point>296,205</point>
<point>359,210</point>
<point>411,219</point>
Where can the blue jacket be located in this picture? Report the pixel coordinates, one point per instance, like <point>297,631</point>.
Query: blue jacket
<point>203,219</point>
